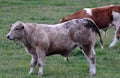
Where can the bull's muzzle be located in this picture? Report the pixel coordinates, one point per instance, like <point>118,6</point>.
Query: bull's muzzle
<point>9,37</point>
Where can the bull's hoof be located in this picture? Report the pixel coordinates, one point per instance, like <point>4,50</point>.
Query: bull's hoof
<point>40,74</point>
<point>31,73</point>
<point>110,46</point>
<point>92,74</point>
<point>102,47</point>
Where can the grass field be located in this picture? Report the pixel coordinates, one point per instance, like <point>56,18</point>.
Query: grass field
<point>15,62</point>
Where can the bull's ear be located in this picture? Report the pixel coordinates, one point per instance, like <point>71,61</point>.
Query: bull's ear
<point>21,25</point>
<point>10,25</point>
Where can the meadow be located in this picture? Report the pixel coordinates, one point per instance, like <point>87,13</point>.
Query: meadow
<point>15,62</point>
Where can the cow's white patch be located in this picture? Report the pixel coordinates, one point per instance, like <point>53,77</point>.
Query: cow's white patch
<point>114,42</point>
<point>116,19</point>
<point>88,10</point>
<point>111,5</point>
<point>115,14</point>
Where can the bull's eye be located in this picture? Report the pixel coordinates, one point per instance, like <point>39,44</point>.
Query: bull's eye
<point>16,28</point>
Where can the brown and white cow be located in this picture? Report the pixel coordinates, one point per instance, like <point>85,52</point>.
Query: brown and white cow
<point>104,17</point>
<point>42,40</point>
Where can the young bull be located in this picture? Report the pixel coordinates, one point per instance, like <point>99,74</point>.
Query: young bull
<point>42,40</point>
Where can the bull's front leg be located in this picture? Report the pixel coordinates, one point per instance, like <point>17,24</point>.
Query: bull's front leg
<point>33,63</point>
<point>34,58</point>
<point>41,59</point>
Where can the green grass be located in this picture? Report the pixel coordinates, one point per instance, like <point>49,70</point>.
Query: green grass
<point>15,62</point>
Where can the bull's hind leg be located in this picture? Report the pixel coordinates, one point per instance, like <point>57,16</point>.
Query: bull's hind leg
<point>33,63</point>
<point>91,57</point>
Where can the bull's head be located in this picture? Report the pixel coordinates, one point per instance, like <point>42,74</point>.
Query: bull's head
<point>16,31</point>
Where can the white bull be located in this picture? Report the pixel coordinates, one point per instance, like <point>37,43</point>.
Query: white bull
<point>42,40</point>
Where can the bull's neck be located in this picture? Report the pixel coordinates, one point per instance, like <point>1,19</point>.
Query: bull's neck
<point>27,37</point>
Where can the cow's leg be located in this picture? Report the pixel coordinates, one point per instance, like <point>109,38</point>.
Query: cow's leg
<point>91,57</point>
<point>116,23</point>
<point>114,42</point>
<point>116,37</point>
<point>41,59</point>
<point>33,63</point>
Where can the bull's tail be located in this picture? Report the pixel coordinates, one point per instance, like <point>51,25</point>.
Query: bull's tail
<point>92,24</point>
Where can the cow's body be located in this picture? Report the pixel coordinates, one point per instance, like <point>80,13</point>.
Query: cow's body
<point>42,40</point>
<point>104,18</point>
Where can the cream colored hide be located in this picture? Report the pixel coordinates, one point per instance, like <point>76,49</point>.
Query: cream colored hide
<point>42,40</point>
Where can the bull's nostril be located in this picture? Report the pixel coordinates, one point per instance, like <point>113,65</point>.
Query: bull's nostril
<point>8,36</point>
